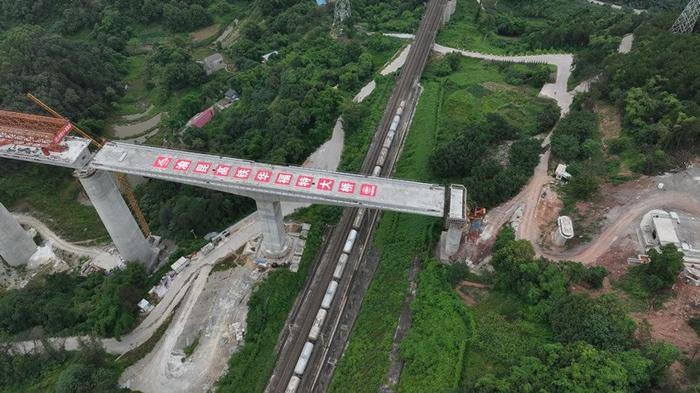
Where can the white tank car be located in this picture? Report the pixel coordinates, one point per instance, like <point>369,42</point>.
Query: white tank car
<point>340,266</point>
<point>394,126</point>
<point>382,156</point>
<point>401,107</point>
<point>293,384</point>
<point>377,170</point>
<point>350,241</point>
<point>330,293</point>
<point>318,324</point>
<point>387,142</point>
<point>358,218</point>
<point>303,358</point>
<point>390,137</point>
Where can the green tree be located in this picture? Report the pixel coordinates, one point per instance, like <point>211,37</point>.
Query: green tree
<point>601,321</point>
<point>663,269</point>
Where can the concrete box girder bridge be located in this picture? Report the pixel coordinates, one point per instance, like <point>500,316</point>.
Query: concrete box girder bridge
<point>267,184</point>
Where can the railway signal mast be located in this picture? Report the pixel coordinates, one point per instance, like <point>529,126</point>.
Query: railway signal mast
<point>688,18</point>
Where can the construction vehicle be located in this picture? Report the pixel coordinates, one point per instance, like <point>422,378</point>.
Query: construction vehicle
<point>476,223</point>
<point>47,133</point>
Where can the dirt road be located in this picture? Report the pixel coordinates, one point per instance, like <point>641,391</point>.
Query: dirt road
<point>659,200</point>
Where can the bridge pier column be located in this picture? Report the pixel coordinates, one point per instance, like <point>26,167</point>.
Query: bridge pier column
<point>16,246</point>
<point>453,238</point>
<point>116,216</point>
<point>275,242</point>
<point>456,218</point>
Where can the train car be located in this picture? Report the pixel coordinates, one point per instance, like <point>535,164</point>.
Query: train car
<point>395,123</point>
<point>390,137</point>
<point>382,156</point>
<point>293,384</point>
<point>377,170</point>
<point>330,293</point>
<point>359,217</point>
<point>350,241</point>
<point>387,142</point>
<point>303,358</point>
<point>318,324</point>
<point>340,266</point>
<point>401,108</point>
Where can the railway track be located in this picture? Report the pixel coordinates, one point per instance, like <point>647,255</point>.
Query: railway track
<point>351,286</point>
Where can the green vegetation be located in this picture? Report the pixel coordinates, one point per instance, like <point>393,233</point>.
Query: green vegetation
<point>67,303</point>
<point>269,305</point>
<point>441,331</point>
<point>517,27</point>
<point>52,194</point>
<point>185,213</point>
<point>434,347</point>
<point>656,88</point>
<point>533,335</point>
<point>189,350</point>
<point>652,282</point>
<point>387,15</point>
<point>88,370</point>
<point>485,125</point>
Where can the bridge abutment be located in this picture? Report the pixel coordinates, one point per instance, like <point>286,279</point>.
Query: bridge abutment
<point>16,246</point>
<point>275,241</point>
<point>116,216</point>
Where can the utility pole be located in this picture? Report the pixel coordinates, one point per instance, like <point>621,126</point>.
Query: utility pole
<point>686,22</point>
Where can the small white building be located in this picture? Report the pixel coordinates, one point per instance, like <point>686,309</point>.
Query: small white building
<point>560,172</point>
<point>180,264</point>
<point>213,63</point>
<point>564,231</point>
<point>145,306</point>
<point>266,57</point>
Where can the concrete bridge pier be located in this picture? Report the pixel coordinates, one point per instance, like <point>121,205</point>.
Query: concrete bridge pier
<point>453,238</point>
<point>116,216</point>
<point>16,246</point>
<point>275,241</point>
<point>455,219</point>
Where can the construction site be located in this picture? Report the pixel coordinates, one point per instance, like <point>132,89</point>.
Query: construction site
<point>193,319</point>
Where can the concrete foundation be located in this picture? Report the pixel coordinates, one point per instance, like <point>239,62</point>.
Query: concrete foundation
<point>16,246</point>
<point>116,216</point>
<point>275,241</point>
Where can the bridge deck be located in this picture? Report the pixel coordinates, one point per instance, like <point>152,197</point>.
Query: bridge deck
<point>260,180</point>
<point>76,156</point>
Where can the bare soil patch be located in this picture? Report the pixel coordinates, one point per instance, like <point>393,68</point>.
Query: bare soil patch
<point>205,33</point>
<point>610,120</point>
<point>471,292</point>
<point>669,324</point>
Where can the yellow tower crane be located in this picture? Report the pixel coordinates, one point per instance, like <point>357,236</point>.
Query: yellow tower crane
<point>122,181</point>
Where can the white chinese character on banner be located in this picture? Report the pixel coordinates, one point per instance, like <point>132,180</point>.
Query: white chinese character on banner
<point>263,175</point>
<point>223,170</point>
<point>368,190</point>
<point>283,178</point>
<point>347,187</point>
<point>182,165</point>
<point>304,181</point>
<point>161,162</point>
<point>202,167</point>
<point>242,173</point>
<point>325,184</point>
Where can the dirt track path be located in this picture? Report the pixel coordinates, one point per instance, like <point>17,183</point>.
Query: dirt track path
<point>667,200</point>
